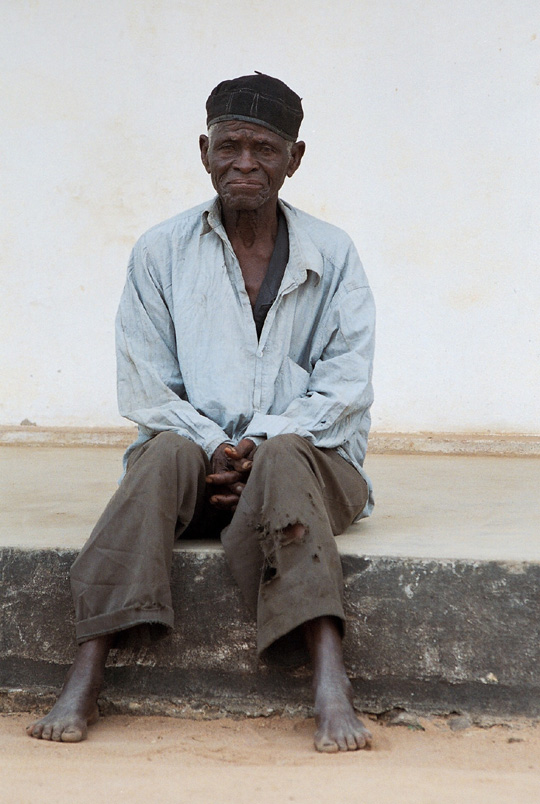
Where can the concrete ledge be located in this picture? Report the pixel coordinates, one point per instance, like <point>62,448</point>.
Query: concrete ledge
<point>499,444</point>
<point>442,594</point>
<point>425,635</point>
<point>34,436</point>
<point>379,443</point>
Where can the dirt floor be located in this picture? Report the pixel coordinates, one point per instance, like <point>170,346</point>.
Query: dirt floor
<point>265,761</point>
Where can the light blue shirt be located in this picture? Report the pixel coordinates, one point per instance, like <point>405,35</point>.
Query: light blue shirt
<point>187,350</point>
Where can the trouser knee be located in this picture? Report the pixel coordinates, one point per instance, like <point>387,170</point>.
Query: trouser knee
<point>167,449</point>
<point>283,451</point>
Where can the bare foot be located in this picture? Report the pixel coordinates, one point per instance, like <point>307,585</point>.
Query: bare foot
<point>64,723</point>
<point>338,728</point>
<point>76,708</point>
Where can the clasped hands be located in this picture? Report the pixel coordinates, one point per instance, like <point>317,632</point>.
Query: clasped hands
<point>230,471</point>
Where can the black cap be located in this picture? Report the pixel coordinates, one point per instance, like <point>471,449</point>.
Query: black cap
<point>257,99</point>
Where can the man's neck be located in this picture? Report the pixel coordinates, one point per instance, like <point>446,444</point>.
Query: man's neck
<point>251,228</point>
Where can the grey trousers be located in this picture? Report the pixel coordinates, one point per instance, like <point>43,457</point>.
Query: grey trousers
<point>121,579</point>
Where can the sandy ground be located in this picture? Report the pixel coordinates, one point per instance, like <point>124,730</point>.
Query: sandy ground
<point>270,760</point>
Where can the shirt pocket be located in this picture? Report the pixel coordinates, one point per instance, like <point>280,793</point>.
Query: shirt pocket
<point>292,381</point>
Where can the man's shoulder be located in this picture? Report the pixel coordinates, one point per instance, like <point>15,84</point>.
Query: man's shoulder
<point>327,250</point>
<point>180,226</point>
<point>328,238</point>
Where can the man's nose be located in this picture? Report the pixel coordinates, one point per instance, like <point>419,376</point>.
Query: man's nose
<point>245,161</point>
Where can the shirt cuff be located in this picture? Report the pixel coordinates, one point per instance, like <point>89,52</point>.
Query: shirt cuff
<point>266,426</point>
<point>211,446</point>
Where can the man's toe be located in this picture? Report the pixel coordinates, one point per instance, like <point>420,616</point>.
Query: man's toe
<point>73,734</point>
<point>327,747</point>
<point>325,744</point>
<point>363,738</point>
<point>35,730</point>
<point>56,733</point>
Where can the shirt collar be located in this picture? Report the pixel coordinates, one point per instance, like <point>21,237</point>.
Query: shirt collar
<point>303,252</point>
<point>211,215</point>
<point>302,249</point>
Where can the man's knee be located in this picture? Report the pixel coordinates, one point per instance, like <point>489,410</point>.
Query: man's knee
<point>281,446</point>
<point>168,447</point>
<point>285,458</point>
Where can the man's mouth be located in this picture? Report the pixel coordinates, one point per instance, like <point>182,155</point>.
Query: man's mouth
<point>244,184</point>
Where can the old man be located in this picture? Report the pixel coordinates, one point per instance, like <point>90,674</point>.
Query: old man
<point>245,346</point>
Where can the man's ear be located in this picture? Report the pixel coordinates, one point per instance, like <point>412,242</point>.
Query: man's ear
<point>297,152</point>
<point>203,145</point>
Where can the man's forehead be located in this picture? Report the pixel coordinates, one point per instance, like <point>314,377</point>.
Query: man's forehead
<point>241,128</point>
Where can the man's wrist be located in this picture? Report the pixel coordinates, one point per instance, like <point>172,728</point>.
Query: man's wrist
<point>257,440</point>
<point>212,448</point>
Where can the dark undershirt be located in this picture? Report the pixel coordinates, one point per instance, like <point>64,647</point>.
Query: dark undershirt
<point>274,274</point>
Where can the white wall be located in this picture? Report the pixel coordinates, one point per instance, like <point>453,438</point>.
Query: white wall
<point>422,123</point>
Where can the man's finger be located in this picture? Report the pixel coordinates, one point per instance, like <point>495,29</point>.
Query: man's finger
<point>241,465</point>
<point>224,501</point>
<point>244,449</point>
<point>223,478</point>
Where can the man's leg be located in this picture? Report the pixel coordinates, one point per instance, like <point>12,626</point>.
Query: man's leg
<point>281,549</point>
<point>338,728</point>
<point>121,579</point>
<point>76,707</point>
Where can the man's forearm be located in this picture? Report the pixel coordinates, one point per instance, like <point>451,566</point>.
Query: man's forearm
<point>180,417</point>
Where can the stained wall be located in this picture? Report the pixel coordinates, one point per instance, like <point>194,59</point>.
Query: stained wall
<point>422,126</point>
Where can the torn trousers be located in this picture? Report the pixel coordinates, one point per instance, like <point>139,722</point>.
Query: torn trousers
<point>121,579</point>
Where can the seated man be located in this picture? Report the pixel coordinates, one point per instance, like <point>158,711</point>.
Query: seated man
<point>245,345</point>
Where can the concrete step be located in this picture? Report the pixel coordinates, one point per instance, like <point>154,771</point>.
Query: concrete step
<point>442,593</point>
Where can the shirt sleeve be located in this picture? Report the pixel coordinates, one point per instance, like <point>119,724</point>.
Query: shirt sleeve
<point>149,381</point>
<point>339,391</point>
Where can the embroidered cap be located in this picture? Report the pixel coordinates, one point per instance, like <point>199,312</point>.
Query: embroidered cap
<point>258,99</point>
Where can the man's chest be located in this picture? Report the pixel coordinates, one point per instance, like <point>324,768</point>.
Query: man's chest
<point>253,268</point>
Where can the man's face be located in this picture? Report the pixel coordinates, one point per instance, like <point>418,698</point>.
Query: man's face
<point>248,163</point>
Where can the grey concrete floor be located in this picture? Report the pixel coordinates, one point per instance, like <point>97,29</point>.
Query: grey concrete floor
<point>428,506</point>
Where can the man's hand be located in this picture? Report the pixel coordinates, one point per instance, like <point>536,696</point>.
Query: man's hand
<point>230,470</point>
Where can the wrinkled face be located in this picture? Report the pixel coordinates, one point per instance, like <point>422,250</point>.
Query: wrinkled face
<point>248,163</point>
